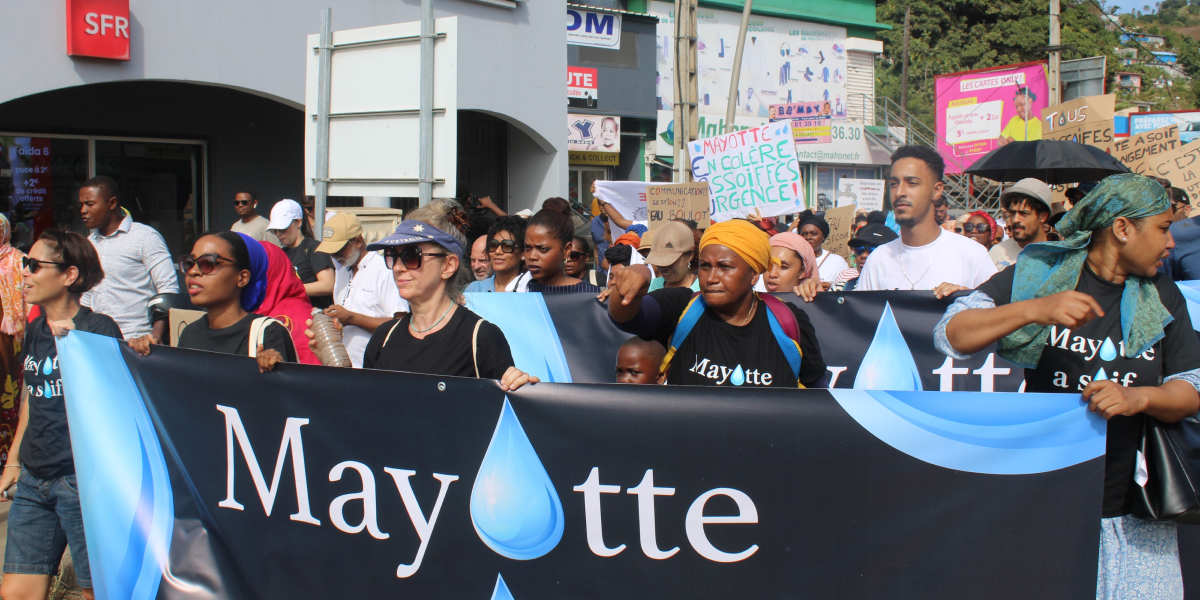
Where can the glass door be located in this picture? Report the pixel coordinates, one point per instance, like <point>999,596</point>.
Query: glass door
<point>579,189</point>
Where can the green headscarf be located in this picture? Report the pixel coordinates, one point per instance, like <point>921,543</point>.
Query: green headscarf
<point>1051,267</point>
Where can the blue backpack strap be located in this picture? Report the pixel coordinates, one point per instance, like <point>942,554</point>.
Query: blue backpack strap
<point>691,315</point>
<point>786,331</point>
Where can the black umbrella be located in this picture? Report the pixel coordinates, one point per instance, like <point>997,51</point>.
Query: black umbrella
<point>1052,161</point>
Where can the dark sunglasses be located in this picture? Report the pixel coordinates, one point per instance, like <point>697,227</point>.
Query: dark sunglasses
<point>34,265</point>
<point>509,246</point>
<point>577,256</point>
<point>207,263</point>
<point>861,249</point>
<point>241,202</point>
<point>411,256</point>
<point>977,228</point>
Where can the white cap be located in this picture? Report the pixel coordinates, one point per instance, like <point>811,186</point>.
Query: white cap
<point>525,213</point>
<point>283,213</point>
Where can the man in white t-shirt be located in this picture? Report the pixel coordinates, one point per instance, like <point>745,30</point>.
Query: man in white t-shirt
<point>1026,209</point>
<point>926,257</point>
<point>364,291</point>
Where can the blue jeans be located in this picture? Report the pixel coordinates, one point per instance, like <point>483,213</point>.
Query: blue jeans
<point>44,518</point>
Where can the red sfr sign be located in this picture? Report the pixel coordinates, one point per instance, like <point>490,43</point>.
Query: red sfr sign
<point>98,28</point>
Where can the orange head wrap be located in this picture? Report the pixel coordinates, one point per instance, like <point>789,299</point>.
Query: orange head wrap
<point>744,238</point>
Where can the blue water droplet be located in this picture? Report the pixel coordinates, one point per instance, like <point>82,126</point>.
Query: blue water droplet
<point>888,363</point>
<point>738,377</point>
<point>1108,350</point>
<point>514,506</point>
<point>501,592</point>
<point>1101,376</point>
<point>47,390</point>
<point>48,366</point>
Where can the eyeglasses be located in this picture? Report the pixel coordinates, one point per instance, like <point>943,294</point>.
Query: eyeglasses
<point>411,256</point>
<point>310,209</point>
<point>508,246</point>
<point>577,256</point>
<point>34,265</point>
<point>241,202</point>
<point>977,228</point>
<point>861,249</point>
<point>207,263</point>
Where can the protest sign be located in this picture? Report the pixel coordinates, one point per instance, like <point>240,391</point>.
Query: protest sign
<point>1092,133</point>
<point>1137,151</point>
<point>669,201</point>
<point>1088,109</point>
<point>810,120</point>
<point>841,221</point>
<point>1181,167</point>
<point>866,193</point>
<point>749,169</point>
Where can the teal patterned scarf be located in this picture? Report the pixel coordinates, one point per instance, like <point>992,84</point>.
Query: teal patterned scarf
<point>1051,267</point>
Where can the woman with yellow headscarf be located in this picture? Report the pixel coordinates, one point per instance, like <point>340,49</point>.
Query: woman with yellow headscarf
<point>727,334</point>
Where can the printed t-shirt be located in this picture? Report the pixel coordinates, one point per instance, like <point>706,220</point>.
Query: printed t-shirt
<point>308,262</point>
<point>1073,358</point>
<point>715,351</point>
<point>829,265</point>
<point>46,448</point>
<point>951,258</point>
<point>235,339</point>
<point>444,352</point>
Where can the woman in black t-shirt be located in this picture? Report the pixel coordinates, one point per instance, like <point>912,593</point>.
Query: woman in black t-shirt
<point>45,514</point>
<point>547,243</point>
<point>736,337</point>
<point>1089,314</point>
<point>315,269</point>
<point>439,336</point>
<point>226,274</point>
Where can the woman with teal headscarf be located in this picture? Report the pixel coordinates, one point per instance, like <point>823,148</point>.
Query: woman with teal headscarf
<point>1090,314</point>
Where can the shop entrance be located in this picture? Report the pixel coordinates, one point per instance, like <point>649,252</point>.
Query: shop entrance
<point>579,187</point>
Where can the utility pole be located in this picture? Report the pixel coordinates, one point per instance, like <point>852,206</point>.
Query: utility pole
<point>1055,55</point>
<point>425,131</point>
<point>324,64</point>
<point>735,76</point>
<point>687,113</point>
<point>904,67</point>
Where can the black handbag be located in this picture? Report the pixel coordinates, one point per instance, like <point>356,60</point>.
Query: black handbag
<point>1172,490</point>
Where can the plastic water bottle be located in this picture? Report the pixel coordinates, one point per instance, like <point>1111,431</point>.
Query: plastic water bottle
<point>330,350</point>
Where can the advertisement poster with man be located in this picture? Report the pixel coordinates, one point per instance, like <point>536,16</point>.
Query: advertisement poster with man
<point>979,111</point>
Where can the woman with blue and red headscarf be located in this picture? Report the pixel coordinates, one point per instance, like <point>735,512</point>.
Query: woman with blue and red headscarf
<point>285,300</point>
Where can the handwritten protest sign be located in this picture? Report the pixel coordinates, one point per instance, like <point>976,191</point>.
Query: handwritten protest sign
<point>811,121</point>
<point>1182,167</point>
<point>1092,133</point>
<point>841,221</point>
<point>1138,151</point>
<point>748,169</point>
<point>1089,109</point>
<point>866,193</point>
<point>670,201</point>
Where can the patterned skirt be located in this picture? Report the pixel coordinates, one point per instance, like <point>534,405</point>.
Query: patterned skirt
<point>1138,560</point>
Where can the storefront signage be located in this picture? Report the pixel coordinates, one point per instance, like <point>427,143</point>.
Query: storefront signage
<point>670,201</point>
<point>810,120</point>
<point>605,159</point>
<point>590,28</point>
<point>98,28</point>
<point>594,133</point>
<point>1188,122</point>
<point>583,87</point>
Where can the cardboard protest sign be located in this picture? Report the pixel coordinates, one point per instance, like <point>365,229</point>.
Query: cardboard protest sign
<point>841,222</point>
<point>1138,151</point>
<point>749,169</point>
<point>670,201</point>
<point>866,193</point>
<point>1092,133</point>
<point>1089,109</point>
<point>1181,167</point>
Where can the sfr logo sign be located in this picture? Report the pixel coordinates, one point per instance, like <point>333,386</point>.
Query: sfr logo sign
<point>98,28</point>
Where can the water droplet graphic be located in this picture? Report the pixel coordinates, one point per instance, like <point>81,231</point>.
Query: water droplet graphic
<point>888,363</point>
<point>47,390</point>
<point>514,507</point>
<point>738,377</point>
<point>1108,351</point>
<point>48,367</point>
<point>1101,376</point>
<point>501,592</point>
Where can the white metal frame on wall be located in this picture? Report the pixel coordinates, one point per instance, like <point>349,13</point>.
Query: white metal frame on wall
<point>199,174</point>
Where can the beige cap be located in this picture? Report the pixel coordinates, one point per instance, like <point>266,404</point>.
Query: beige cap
<point>1034,188</point>
<point>670,242</point>
<point>647,240</point>
<point>339,229</point>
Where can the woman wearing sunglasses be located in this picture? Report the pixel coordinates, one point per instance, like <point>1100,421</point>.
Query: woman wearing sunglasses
<point>439,336</point>
<point>226,274</point>
<point>547,243</point>
<point>45,516</point>
<point>982,228</point>
<point>506,252</point>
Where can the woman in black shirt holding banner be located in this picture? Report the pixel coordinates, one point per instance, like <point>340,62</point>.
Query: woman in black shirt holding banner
<point>1089,314</point>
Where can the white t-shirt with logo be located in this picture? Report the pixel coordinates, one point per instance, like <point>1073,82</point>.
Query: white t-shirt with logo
<point>829,265</point>
<point>951,258</point>
<point>372,292</point>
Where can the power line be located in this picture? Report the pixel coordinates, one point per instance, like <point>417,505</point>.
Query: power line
<point>1131,35</point>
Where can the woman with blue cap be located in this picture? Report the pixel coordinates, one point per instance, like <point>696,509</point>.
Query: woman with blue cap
<point>440,336</point>
<point>226,274</point>
<point>1090,314</point>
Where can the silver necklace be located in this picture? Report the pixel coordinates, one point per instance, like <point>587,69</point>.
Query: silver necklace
<point>749,313</point>
<point>412,323</point>
<point>911,282</point>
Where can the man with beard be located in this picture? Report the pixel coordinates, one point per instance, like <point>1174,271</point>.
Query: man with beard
<point>1026,208</point>
<point>926,257</point>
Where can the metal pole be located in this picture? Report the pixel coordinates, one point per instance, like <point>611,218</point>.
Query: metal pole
<point>425,187</point>
<point>1055,55</point>
<point>904,67</point>
<point>691,106</point>
<point>680,130</point>
<point>735,75</point>
<point>324,65</point>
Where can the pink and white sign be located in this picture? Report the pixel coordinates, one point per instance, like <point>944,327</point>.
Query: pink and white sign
<point>979,111</point>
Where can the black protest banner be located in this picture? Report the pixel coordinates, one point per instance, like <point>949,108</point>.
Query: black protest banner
<point>201,477</point>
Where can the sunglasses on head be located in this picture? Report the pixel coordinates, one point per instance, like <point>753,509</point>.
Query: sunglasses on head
<point>410,256</point>
<point>34,265</point>
<point>241,202</point>
<point>977,228</point>
<point>577,255</point>
<point>508,246</point>
<point>207,263</point>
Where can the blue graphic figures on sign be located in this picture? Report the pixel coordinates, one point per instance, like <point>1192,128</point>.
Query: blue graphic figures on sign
<point>514,507</point>
<point>888,363</point>
<point>501,592</point>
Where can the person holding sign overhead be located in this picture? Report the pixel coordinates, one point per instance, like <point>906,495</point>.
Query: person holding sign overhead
<point>727,334</point>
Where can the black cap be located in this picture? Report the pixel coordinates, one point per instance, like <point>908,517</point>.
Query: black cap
<point>873,234</point>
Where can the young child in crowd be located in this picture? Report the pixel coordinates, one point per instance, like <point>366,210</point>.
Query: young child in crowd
<point>638,361</point>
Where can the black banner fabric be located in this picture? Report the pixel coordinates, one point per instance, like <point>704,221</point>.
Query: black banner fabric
<point>313,482</point>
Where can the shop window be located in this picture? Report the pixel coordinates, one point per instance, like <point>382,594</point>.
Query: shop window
<point>160,185</point>
<point>626,57</point>
<point>827,178</point>
<point>39,184</point>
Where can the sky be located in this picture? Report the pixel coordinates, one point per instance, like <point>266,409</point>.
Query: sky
<point>1124,6</point>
